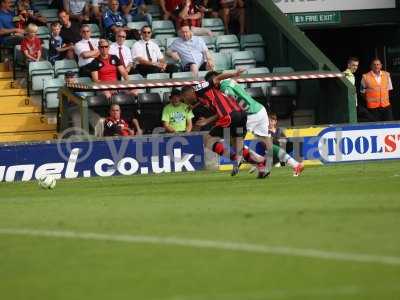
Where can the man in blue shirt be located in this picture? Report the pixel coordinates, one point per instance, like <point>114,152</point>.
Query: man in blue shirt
<point>9,35</point>
<point>192,51</point>
<point>113,20</point>
<point>135,10</point>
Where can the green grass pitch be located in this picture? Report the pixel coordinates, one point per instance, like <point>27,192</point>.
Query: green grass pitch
<point>333,233</point>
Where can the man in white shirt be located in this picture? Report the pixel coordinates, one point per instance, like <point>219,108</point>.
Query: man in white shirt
<point>148,56</point>
<point>86,50</point>
<point>121,51</point>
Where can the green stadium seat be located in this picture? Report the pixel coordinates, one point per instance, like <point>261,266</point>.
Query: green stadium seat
<point>216,25</point>
<point>45,49</point>
<point>163,27</point>
<point>162,38</point>
<point>64,66</point>
<point>170,40</point>
<point>222,61</point>
<point>38,72</point>
<point>160,44</point>
<point>129,43</point>
<point>50,14</point>
<point>183,75</point>
<point>154,10</point>
<point>150,105</point>
<point>251,40</point>
<point>50,93</point>
<point>243,59</point>
<point>155,76</point>
<point>262,85</point>
<point>43,33</point>
<point>94,28</point>
<point>210,42</point>
<point>137,25</point>
<point>85,80</point>
<point>227,43</point>
<point>202,74</point>
<point>291,85</point>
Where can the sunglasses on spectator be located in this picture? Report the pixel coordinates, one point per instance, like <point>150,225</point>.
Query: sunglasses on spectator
<point>146,32</point>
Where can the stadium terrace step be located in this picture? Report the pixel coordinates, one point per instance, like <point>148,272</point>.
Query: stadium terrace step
<point>4,68</point>
<point>12,92</point>
<point>17,105</point>
<point>5,75</point>
<point>28,136</point>
<point>6,84</point>
<point>15,123</point>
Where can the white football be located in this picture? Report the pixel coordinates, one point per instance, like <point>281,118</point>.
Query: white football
<point>47,182</point>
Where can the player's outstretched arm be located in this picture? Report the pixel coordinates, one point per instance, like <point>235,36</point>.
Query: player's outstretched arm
<point>223,76</point>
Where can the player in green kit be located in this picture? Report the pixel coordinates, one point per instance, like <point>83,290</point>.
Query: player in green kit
<point>258,124</point>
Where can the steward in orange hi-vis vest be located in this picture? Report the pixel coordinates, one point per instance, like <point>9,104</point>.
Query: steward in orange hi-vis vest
<point>376,94</point>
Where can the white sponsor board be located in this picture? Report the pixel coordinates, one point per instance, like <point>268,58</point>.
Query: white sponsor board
<point>299,6</point>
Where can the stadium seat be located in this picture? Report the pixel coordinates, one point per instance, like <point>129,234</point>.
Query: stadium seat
<point>150,107</point>
<point>222,61</point>
<point>129,43</point>
<point>202,74</point>
<point>165,98</point>
<point>210,42</point>
<point>99,104</point>
<point>243,59</point>
<point>128,104</point>
<point>257,94</point>
<point>291,85</point>
<point>216,25</point>
<point>155,76</point>
<point>86,80</point>
<point>154,10</point>
<point>281,102</point>
<point>45,49</point>
<point>38,72</point>
<point>43,33</point>
<point>183,75</point>
<point>160,44</point>
<point>137,25</point>
<point>94,28</point>
<point>50,14</point>
<point>136,77</point>
<point>50,93</point>
<point>170,40</point>
<point>162,38</point>
<point>64,66</point>
<point>254,43</point>
<point>227,43</point>
<point>163,27</point>
<point>262,85</point>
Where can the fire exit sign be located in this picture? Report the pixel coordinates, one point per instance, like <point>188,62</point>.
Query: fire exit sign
<point>316,18</point>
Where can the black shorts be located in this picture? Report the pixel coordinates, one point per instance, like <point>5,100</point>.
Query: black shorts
<point>236,129</point>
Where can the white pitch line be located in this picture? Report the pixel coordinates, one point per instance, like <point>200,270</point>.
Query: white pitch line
<point>209,244</point>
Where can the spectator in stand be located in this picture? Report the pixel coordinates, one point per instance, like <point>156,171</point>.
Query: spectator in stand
<point>229,10</point>
<point>123,52</point>
<point>148,56</point>
<point>135,10</point>
<point>9,34</point>
<point>114,125</point>
<point>78,10</point>
<point>191,14</point>
<point>176,116</point>
<point>70,33</point>
<point>56,45</point>
<point>31,45</point>
<point>192,51</point>
<point>29,14</point>
<point>107,67</point>
<point>375,88</point>
<point>86,50</point>
<point>113,20</point>
<point>170,9</point>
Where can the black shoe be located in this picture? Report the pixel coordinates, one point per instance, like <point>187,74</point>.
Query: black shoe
<point>262,175</point>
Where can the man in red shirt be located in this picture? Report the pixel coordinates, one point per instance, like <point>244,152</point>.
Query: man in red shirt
<point>108,68</point>
<point>114,125</point>
<point>170,8</point>
<point>31,45</point>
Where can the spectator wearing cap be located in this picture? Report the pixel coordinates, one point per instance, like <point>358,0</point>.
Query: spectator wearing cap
<point>113,20</point>
<point>176,116</point>
<point>192,51</point>
<point>148,56</point>
<point>123,52</point>
<point>86,50</point>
